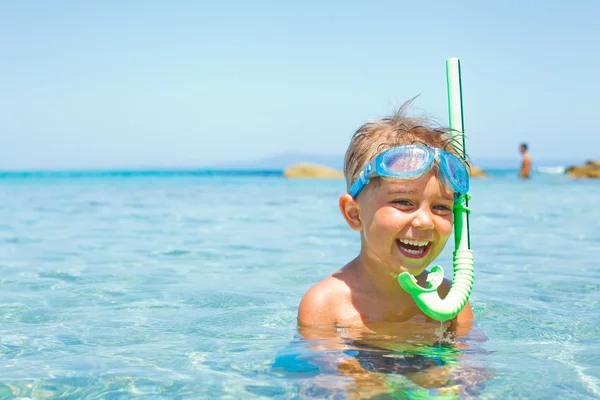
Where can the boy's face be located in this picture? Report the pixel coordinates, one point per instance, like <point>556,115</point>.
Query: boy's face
<point>406,223</point>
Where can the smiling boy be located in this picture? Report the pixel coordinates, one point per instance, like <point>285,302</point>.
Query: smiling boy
<point>401,175</point>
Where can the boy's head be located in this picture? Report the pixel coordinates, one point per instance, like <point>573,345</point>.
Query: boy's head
<point>404,223</point>
<point>372,138</point>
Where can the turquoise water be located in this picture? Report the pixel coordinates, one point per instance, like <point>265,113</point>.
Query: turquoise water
<point>186,285</point>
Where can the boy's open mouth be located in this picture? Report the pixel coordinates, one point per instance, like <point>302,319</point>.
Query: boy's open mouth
<point>413,248</point>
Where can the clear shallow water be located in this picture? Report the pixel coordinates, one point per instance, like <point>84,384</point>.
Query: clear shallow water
<point>181,286</point>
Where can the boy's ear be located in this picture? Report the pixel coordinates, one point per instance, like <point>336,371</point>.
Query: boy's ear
<point>351,212</point>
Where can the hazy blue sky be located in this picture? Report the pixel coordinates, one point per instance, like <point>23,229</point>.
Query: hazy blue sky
<point>189,83</point>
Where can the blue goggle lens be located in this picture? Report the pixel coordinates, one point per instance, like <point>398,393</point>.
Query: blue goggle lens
<point>457,173</point>
<point>406,161</point>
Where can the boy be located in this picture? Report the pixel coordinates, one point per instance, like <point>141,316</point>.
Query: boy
<point>404,223</point>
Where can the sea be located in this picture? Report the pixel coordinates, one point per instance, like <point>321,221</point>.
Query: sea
<point>185,284</point>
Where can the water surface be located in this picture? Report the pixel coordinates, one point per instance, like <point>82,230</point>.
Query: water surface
<point>187,286</point>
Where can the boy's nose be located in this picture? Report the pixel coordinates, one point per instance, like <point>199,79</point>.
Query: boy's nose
<point>423,219</point>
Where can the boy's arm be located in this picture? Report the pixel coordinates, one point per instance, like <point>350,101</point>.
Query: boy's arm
<point>463,322</point>
<point>314,309</point>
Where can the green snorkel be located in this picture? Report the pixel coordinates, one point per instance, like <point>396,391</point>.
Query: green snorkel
<point>428,299</point>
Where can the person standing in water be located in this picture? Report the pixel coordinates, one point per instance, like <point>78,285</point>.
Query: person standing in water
<point>526,163</point>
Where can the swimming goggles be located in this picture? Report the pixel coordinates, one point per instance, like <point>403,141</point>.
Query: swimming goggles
<point>411,161</point>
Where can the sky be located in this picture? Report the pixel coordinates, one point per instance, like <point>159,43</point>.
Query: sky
<point>161,84</point>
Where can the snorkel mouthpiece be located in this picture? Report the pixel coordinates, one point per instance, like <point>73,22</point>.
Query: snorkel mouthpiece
<point>428,299</point>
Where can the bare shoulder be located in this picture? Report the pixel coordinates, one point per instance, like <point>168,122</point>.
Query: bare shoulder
<point>318,306</point>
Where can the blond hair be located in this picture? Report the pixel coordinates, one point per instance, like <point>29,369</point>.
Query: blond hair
<point>398,129</point>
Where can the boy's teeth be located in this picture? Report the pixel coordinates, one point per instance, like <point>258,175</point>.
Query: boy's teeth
<point>415,242</point>
<point>415,252</point>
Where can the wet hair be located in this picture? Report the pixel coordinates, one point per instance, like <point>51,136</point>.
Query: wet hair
<point>374,137</point>
<point>524,146</point>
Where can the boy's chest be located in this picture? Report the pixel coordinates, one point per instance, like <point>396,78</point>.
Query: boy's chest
<point>367,311</point>
<point>403,324</point>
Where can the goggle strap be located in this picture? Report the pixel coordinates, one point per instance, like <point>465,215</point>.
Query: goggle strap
<point>359,185</point>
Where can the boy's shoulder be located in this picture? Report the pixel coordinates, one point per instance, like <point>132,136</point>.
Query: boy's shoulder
<point>320,303</point>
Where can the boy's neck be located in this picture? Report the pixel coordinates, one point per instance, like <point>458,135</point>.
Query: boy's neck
<point>380,279</point>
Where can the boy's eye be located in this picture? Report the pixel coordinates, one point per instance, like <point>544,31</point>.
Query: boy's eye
<point>442,208</point>
<point>405,203</point>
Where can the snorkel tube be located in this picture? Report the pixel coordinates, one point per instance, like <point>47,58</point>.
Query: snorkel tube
<point>428,299</point>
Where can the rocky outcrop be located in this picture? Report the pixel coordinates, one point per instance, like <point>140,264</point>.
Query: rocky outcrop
<point>306,170</point>
<point>590,169</point>
<point>476,172</point>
